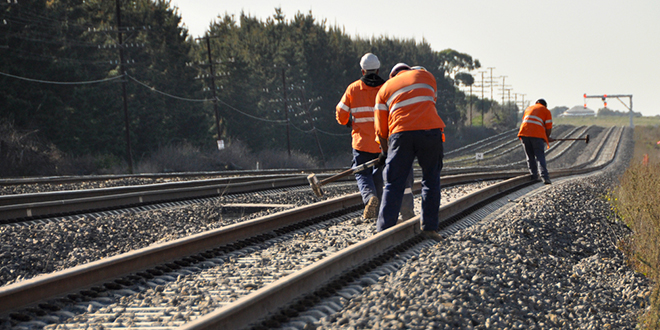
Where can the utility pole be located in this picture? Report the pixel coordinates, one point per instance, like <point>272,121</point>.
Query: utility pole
<point>491,82</point>
<point>304,102</point>
<point>503,86</point>
<point>471,105</point>
<point>122,72</point>
<point>216,110</point>
<point>482,99</point>
<point>286,114</point>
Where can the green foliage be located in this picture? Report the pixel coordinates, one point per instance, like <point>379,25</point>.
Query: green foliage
<point>77,41</point>
<point>56,41</point>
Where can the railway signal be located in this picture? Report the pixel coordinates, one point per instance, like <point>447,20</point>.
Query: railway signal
<point>604,97</point>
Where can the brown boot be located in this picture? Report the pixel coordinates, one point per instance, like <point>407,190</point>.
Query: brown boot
<point>371,210</point>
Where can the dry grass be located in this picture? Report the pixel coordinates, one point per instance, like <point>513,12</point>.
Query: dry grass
<point>607,121</point>
<point>637,202</point>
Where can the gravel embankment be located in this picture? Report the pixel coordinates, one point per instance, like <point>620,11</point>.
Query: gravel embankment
<point>121,182</point>
<point>551,262</point>
<point>27,251</point>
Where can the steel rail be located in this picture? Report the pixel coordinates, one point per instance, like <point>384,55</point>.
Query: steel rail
<point>84,276</point>
<point>551,153</point>
<point>514,144</point>
<point>92,178</point>
<point>30,292</point>
<point>251,309</point>
<point>41,205</point>
<point>24,207</point>
<point>35,210</point>
<point>17,199</point>
<point>267,300</point>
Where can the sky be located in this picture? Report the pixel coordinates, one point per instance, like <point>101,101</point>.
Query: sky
<point>557,50</point>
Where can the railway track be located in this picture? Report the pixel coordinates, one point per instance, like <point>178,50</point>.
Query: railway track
<point>17,208</point>
<point>153,268</point>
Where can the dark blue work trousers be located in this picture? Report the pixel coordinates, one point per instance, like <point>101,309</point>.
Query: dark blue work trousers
<point>369,181</point>
<point>427,146</point>
<point>535,152</point>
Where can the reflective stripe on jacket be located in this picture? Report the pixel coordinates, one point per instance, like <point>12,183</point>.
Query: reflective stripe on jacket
<point>358,102</point>
<point>407,103</point>
<point>536,119</point>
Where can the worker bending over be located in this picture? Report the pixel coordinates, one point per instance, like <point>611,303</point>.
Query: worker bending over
<point>408,126</point>
<point>534,134</point>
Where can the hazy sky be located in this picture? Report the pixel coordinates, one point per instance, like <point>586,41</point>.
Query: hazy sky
<point>557,50</point>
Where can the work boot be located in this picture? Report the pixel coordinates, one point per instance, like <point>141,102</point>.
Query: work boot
<point>547,181</point>
<point>431,234</point>
<point>371,210</point>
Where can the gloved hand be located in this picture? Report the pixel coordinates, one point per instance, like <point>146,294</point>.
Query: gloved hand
<point>381,159</point>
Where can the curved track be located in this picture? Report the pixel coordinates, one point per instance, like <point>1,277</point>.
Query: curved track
<point>93,287</point>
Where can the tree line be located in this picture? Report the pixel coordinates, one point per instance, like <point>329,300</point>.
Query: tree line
<point>60,74</point>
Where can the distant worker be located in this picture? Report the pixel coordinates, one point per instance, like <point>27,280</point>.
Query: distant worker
<point>408,126</point>
<point>356,110</point>
<point>534,134</point>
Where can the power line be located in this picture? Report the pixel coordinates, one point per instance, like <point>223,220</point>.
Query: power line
<point>204,100</point>
<point>166,94</point>
<point>249,115</point>
<point>60,82</point>
<point>333,134</point>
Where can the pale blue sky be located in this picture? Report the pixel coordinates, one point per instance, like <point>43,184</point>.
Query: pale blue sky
<point>557,50</point>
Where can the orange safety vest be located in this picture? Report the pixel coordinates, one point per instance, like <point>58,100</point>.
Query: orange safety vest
<point>358,102</point>
<point>407,103</point>
<point>536,119</point>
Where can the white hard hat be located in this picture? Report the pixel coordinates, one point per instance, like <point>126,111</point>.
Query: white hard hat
<point>418,67</point>
<point>369,62</point>
<point>399,67</point>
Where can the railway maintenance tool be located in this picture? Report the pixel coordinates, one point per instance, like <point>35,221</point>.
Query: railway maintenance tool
<point>316,184</point>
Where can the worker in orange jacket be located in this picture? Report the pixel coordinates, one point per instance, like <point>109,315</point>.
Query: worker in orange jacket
<point>408,126</point>
<point>534,134</point>
<point>356,110</point>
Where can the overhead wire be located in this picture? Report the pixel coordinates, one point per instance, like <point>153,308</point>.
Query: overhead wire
<point>61,82</point>
<point>43,21</point>
<point>251,116</point>
<point>204,100</point>
<point>153,89</point>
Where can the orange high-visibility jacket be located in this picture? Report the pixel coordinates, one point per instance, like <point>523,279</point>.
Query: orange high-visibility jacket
<point>536,119</point>
<point>407,103</point>
<point>358,101</point>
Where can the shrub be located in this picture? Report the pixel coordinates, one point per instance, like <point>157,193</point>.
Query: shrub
<point>271,159</point>
<point>236,156</point>
<point>181,157</point>
<point>90,165</point>
<point>24,153</point>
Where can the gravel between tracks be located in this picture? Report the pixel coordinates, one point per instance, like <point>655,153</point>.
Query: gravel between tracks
<point>551,262</point>
<point>27,251</point>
